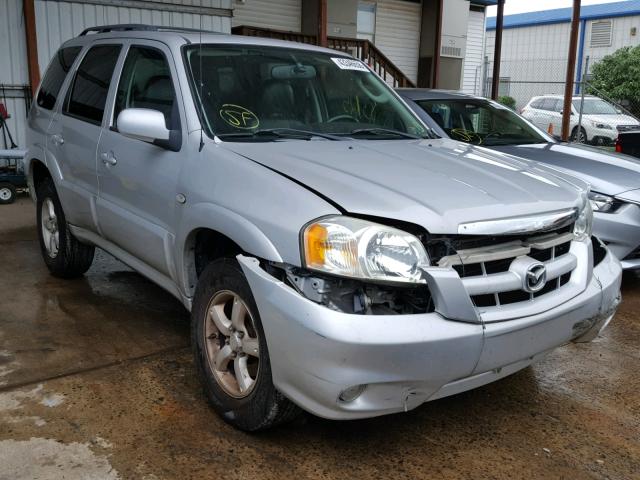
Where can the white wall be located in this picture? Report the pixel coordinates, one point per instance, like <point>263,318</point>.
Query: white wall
<point>276,14</point>
<point>621,37</point>
<point>535,56</point>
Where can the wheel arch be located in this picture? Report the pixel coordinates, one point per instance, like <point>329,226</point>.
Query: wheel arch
<point>209,232</point>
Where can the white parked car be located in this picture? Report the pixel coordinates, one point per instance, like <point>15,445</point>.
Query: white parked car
<point>601,121</point>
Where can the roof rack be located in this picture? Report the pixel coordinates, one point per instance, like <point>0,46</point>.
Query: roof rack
<point>132,27</point>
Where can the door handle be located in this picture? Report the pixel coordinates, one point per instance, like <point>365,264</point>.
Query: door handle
<point>108,158</point>
<point>57,139</point>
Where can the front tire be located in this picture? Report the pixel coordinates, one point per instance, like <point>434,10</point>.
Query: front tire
<point>231,353</point>
<point>7,193</point>
<point>64,255</point>
<point>579,136</point>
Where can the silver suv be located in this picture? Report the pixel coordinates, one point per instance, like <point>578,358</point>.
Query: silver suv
<point>335,255</point>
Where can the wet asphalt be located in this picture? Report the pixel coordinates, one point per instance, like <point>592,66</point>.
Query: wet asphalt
<point>97,382</point>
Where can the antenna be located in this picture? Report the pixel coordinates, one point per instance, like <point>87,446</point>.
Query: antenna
<point>200,77</point>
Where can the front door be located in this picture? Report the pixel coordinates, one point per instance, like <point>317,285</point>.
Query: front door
<point>138,180</point>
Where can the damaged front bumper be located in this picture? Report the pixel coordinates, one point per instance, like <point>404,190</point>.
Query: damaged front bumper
<point>402,361</point>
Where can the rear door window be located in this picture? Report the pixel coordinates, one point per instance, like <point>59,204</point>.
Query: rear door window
<point>88,93</point>
<point>54,78</point>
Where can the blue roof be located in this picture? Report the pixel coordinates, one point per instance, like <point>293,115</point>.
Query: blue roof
<point>561,15</point>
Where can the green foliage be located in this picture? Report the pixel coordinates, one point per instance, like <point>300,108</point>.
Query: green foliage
<point>617,76</point>
<point>507,101</point>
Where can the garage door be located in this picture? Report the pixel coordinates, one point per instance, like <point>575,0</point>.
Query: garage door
<point>398,34</point>
<point>277,14</point>
<point>472,75</point>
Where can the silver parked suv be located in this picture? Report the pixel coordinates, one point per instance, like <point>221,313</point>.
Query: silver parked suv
<point>334,254</point>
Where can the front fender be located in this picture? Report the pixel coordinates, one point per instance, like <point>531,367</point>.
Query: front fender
<point>244,233</point>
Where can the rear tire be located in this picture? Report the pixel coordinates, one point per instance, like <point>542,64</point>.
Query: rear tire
<point>245,398</point>
<point>64,255</point>
<point>7,193</point>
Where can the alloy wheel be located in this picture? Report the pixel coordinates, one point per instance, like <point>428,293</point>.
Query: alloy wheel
<point>49,226</point>
<point>232,346</point>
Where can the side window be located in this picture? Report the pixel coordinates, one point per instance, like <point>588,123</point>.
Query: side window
<point>537,104</point>
<point>548,104</point>
<point>146,83</point>
<point>88,93</point>
<point>558,105</point>
<point>54,78</point>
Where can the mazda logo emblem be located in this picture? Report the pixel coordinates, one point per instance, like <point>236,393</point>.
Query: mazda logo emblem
<point>535,278</point>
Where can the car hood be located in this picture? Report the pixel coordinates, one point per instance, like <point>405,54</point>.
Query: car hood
<point>437,184</point>
<point>607,173</point>
<point>612,119</point>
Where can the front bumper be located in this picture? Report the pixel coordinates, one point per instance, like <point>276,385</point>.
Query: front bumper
<point>621,232</point>
<point>406,360</point>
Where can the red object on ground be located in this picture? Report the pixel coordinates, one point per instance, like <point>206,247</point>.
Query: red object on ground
<point>618,145</point>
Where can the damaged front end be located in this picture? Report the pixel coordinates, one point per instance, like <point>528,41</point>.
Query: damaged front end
<point>355,296</point>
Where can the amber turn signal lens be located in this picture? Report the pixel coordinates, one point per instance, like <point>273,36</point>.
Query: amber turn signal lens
<point>315,245</point>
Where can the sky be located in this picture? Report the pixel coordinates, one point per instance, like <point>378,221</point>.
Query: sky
<point>521,6</point>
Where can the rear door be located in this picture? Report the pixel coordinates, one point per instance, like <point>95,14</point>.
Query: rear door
<point>49,93</point>
<point>74,132</point>
<point>138,180</point>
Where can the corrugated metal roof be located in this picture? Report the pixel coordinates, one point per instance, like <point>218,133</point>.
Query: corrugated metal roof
<point>626,8</point>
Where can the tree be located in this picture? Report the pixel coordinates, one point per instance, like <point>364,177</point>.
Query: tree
<point>617,76</point>
<point>507,101</point>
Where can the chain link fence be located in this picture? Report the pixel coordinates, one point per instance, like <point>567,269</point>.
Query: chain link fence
<point>535,88</point>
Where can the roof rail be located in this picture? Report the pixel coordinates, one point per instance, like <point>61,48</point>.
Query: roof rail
<point>131,27</point>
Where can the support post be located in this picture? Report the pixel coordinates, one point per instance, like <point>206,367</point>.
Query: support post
<point>438,44</point>
<point>32,44</point>
<point>322,23</point>
<point>497,52</point>
<point>571,70</point>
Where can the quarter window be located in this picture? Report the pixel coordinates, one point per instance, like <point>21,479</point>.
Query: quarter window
<point>88,94</point>
<point>54,78</point>
<point>146,83</point>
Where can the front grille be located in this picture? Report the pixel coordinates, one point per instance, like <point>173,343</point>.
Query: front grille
<point>628,128</point>
<point>492,274</point>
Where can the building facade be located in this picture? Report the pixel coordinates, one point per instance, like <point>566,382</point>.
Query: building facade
<point>535,46</point>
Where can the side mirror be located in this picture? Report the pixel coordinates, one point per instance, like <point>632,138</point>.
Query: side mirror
<point>143,124</point>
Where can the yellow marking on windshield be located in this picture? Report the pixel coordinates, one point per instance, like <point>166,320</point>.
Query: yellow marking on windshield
<point>239,117</point>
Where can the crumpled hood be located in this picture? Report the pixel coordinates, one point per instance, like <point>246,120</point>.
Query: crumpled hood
<point>437,184</point>
<point>612,119</point>
<point>605,172</point>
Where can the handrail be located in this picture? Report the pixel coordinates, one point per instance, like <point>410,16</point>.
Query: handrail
<point>359,48</point>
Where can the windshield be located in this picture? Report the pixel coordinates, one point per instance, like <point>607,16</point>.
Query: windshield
<point>250,92</point>
<point>481,122</point>
<point>595,106</point>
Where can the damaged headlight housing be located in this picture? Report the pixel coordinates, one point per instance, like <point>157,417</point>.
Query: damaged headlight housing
<point>584,223</point>
<point>356,248</point>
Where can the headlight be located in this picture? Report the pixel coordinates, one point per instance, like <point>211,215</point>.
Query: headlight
<point>583,226</point>
<point>356,248</point>
<point>601,203</point>
<point>603,126</point>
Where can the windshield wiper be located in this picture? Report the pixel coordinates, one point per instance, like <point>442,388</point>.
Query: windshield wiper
<point>379,131</point>
<point>280,133</point>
